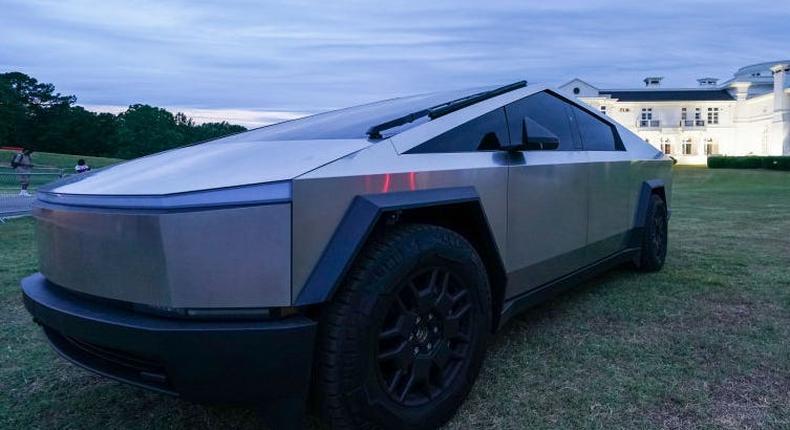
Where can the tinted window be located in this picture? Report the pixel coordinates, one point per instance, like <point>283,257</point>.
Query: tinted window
<point>549,111</point>
<point>596,135</point>
<point>484,133</point>
<point>354,122</point>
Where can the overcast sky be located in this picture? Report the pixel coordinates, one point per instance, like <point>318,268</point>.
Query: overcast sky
<point>256,61</point>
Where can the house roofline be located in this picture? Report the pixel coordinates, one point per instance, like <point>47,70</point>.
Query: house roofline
<point>580,80</point>
<point>660,89</point>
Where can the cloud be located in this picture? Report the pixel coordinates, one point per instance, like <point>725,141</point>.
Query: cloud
<point>306,56</point>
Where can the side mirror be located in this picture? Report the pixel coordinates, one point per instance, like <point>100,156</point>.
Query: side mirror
<point>535,137</point>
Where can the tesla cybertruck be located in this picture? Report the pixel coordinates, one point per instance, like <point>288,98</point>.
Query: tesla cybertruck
<point>358,258</point>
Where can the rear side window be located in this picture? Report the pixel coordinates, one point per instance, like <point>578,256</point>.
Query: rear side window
<point>596,135</point>
<point>549,111</point>
<point>484,133</point>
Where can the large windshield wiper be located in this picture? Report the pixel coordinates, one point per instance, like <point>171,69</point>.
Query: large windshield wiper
<point>434,112</point>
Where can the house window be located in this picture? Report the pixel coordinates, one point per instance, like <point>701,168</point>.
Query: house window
<point>698,121</point>
<point>687,148</point>
<point>646,120</point>
<point>576,90</point>
<point>603,110</point>
<point>713,115</point>
<point>666,148</point>
<point>683,114</point>
<point>711,147</point>
<point>625,110</point>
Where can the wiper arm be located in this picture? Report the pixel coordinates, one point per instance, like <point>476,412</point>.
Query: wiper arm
<point>434,112</point>
<point>374,132</point>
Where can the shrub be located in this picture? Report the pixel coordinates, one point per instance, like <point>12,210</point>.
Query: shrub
<point>749,162</point>
<point>745,162</point>
<point>776,163</point>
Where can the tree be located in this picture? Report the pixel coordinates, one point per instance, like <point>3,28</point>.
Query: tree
<point>78,131</point>
<point>145,129</point>
<point>33,115</point>
<point>212,130</point>
<point>23,100</point>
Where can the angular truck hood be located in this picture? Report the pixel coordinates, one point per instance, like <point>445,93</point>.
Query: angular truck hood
<point>218,164</point>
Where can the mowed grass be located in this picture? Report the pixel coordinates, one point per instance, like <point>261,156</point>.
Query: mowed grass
<point>59,161</point>
<point>44,163</point>
<point>705,343</point>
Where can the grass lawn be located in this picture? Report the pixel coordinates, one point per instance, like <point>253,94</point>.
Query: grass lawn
<point>60,161</point>
<point>705,343</point>
<point>10,183</point>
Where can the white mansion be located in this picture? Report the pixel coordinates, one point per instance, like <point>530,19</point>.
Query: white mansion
<point>748,114</point>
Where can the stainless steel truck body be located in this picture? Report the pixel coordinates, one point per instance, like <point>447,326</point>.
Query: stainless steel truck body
<point>220,271</point>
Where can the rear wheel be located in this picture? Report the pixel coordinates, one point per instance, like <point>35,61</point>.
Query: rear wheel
<point>654,239</point>
<point>404,338</point>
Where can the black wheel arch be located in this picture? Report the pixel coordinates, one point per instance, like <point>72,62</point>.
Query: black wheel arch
<point>458,209</point>
<point>649,188</point>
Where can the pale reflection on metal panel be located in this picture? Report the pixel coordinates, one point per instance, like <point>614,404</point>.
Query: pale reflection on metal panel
<point>117,256</point>
<point>547,214</point>
<point>219,258</point>
<point>212,165</point>
<point>610,203</point>
<point>380,170</point>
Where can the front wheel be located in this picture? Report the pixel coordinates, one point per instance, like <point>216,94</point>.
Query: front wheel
<point>403,340</point>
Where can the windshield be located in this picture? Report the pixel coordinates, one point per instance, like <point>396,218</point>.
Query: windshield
<point>353,122</point>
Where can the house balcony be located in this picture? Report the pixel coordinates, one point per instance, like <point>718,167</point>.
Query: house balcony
<point>648,123</point>
<point>692,123</point>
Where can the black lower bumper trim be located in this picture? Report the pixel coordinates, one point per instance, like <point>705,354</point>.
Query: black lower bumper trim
<point>213,361</point>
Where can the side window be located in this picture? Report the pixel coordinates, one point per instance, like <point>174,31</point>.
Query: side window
<point>548,111</point>
<point>484,133</point>
<point>596,135</point>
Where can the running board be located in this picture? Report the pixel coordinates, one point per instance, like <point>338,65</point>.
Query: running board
<point>522,302</point>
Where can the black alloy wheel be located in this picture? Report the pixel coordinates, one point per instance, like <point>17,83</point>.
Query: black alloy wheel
<point>403,339</point>
<point>654,239</point>
<point>425,337</point>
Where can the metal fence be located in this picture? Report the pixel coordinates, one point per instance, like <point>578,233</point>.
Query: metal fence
<point>12,200</point>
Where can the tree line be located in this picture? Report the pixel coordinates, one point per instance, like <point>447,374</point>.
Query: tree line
<point>34,116</point>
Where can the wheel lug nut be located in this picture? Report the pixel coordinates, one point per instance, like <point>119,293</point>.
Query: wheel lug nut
<point>436,329</point>
<point>429,347</point>
<point>416,350</point>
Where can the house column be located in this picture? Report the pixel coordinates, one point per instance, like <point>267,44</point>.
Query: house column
<point>780,129</point>
<point>742,138</point>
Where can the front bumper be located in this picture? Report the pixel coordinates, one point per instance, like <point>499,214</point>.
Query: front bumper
<point>212,361</point>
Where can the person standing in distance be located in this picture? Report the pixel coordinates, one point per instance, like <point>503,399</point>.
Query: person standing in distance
<point>22,163</point>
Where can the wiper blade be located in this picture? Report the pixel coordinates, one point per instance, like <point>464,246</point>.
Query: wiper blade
<point>434,112</point>
<point>444,109</point>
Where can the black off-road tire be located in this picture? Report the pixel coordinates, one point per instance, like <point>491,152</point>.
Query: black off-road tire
<point>654,239</point>
<point>416,285</point>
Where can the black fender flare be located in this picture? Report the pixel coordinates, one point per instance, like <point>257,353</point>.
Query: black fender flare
<point>649,187</point>
<point>359,222</point>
